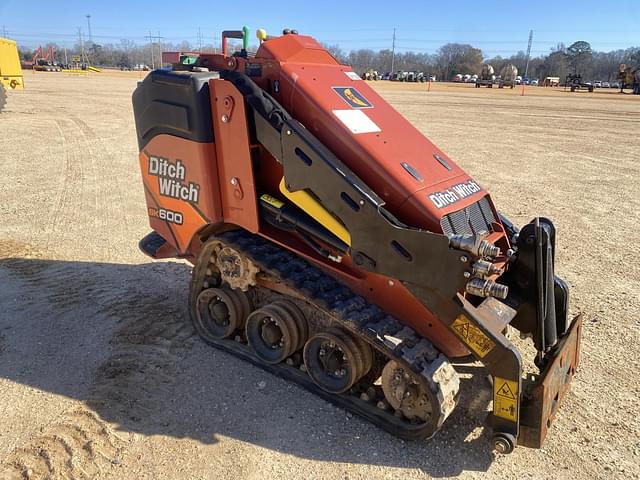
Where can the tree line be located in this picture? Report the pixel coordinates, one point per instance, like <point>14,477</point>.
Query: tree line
<point>448,60</point>
<point>454,58</point>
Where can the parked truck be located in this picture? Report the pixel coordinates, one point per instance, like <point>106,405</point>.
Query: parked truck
<point>508,76</point>
<point>487,76</point>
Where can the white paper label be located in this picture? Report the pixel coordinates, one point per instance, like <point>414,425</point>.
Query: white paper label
<point>357,121</point>
<point>353,75</point>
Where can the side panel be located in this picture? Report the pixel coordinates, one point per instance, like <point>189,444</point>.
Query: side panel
<point>181,187</point>
<point>389,294</point>
<point>235,170</point>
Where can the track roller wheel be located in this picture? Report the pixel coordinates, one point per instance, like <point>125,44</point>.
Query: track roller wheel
<point>405,394</point>
<point>335,360</point>
<point>277,330</point>
<point>220,312</point>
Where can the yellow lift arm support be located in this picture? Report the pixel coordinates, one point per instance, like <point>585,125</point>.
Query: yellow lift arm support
<point>10,69</point>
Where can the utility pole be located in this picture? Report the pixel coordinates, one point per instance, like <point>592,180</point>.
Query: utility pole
<point>159,39</point>
<point>81,40</point>
<point>4,31</point>
<point>393,52</point>
<point>152,39</point>
<point>153,62</point>
<point>89,27</point>
<point>199,41</point>
<point>526,68</point>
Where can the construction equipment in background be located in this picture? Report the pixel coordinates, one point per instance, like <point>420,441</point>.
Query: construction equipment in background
<point>629,77</point>
<point>508,76</point>
<point>421,77</point>
<point>370,74</point>
<point>487,76</point>
<point>575,83</point>
<point>337,247</point>
<point>80,65</point>
<point>399,76</point>
<point>551,82</point>
<point>45,62</point>
<point>10,70</point>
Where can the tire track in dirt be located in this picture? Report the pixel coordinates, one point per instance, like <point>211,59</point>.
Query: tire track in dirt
<point>71,186</point>
<point>77,446</point>
<point>88,137</point>
<point>151,334</point>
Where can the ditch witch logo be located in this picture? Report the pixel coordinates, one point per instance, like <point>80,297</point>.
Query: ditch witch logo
<point>170,177</point>
<point>455,193</point>
<point>353,97</point>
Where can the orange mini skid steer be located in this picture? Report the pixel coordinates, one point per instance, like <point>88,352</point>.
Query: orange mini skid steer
<point>337,247</point>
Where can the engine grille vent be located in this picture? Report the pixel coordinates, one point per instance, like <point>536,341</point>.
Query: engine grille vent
<point>473,219</point>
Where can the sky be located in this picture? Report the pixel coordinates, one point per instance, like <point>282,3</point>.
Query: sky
<point>498,28</point>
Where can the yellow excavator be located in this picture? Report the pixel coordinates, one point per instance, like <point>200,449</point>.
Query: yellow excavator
<point>10,69</point>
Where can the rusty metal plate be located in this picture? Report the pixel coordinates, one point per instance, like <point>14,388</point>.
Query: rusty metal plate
<point>543,394</point>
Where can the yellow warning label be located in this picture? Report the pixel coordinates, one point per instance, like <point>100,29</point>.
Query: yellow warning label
<point>472,336</point>
<point>505,399</point>
<point>272,200</point>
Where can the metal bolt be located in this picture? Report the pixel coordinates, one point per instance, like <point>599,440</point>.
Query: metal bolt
<point>464,259</point>
<point>391,283</point>
<point>501,445</point>
<point>288,132</point>
<point>224,118</point>
<point>466,274</point>
<point>361,202</point>
<point>234,181</point>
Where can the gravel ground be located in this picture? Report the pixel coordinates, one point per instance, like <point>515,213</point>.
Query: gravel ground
<point>102,377</point>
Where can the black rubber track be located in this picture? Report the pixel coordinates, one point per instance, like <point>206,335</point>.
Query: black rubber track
<point>354,313</point>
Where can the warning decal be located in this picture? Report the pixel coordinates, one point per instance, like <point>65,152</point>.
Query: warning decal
<point>353,97</point>
<point>472,336</point>
<point>357,121</point>
<point>353,75</point>
<point>505,399</point>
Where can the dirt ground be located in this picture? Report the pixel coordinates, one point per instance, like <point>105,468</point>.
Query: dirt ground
<point>101,375</point>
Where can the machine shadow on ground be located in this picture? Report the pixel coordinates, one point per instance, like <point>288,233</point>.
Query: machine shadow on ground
<point>117,337</point>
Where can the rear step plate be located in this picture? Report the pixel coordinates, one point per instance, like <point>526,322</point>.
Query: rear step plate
<point>155,246</point>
